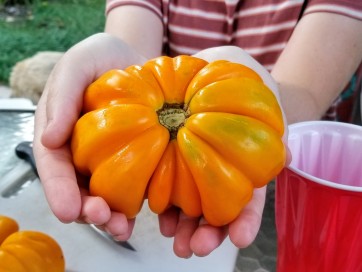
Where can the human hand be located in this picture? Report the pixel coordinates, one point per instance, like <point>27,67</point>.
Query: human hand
<point>194,235</point>
<point>58,110</point>
<point>64,98</point>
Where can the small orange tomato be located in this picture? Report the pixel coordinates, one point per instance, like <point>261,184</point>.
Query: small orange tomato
<point>28,251</point>
<point>7,227</point>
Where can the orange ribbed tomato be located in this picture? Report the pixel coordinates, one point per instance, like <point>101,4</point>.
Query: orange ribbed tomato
<point>28,251</point>
<point>179,131</point>
<point>7,227</point>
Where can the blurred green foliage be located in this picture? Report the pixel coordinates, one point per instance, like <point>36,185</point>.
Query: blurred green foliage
<point>51,26</point>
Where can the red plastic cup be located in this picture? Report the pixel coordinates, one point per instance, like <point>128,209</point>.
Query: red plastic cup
<point>318,204</point>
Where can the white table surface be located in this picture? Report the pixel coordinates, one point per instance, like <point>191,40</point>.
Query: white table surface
<point>85,251</point>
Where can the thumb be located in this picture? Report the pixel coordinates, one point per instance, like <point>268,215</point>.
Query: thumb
<point>78,68</point>
<point>62,103</point>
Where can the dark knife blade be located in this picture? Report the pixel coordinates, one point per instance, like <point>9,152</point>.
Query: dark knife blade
<point>109,237</point>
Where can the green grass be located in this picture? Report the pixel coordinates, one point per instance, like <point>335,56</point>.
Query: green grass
<point>55,26</point>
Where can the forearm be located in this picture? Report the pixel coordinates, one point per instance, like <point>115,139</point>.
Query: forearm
<point>141,29</point>
<point>319,60</point>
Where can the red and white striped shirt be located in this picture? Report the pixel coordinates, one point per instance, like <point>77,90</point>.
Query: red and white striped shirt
<point>261,27</point>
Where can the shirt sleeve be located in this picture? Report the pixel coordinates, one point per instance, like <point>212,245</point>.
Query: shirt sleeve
<point>154,6</point>
<point>349,8</point>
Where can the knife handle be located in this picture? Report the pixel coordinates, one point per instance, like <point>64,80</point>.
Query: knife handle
<point>24,150</point>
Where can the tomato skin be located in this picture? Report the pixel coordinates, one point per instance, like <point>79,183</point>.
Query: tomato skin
<point>174,75</point>
<point>8,262</point>
<point>217,71</point>
<point>242,96</point>
<point>161,183</point>
<point>131,171</point>
<point>224,190</point>
<point>7,227</point>
<point>133,85</point>
<point>28,251</point>
<point>181,132</point>
<point>128,120</point>
<point>246,139</point>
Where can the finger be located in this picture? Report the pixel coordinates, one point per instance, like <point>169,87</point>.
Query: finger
<point>185,229</point>
<point>95,210</point>
<point>59,182</point>
<point>117,224</point>
<point>58,179</point>
<point>245,227</point>
<point>56,173</point>
<point>206,239</point>
<point>120,227</point>
<point>168,222</point>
